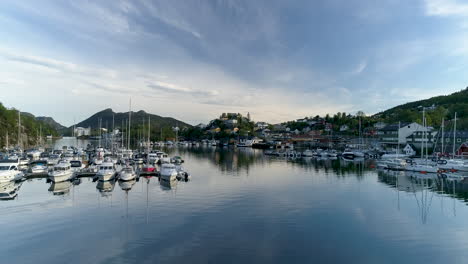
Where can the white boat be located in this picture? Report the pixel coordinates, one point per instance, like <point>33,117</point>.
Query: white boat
<point>9,171</point>
<point>127,174</point>
<point>423,168</point>
<point>106,171</point>
<point>153,158</point>
<point>53,159</point>
<point>168,172</point>
<point>396,164</point>
<point>452,165</point>
<point>308,153</point>
<point>76,165</point>
<point>39,169</point>
<point>164,158</point>
<point>61,172</point>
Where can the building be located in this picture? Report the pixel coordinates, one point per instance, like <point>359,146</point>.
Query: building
<point>261,125</point>
<point>379,125</point>
<point>419,137</point>
<point>344,128</point>
<point>397,133</point>
<point>81,131</point>
<point>408,150</point>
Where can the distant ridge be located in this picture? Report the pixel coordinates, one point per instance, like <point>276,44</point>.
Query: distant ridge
<point>50,121</point>
<point>107,116</point>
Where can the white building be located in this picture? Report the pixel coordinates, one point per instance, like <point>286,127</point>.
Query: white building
<point>81,131</point>
<point>391,134</point>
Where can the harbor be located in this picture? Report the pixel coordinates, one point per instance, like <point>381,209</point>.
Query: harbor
<point>307,202</point>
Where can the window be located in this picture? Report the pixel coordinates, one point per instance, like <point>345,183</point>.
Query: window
<point>458,139</point>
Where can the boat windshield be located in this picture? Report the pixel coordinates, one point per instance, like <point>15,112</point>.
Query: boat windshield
<point>4,168</point>
<point>75,163</point>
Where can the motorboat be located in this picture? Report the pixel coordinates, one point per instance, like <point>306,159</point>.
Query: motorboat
<point>152,158</point>
<point>308,153</point>
<point>53,159</point>
<point>9,171</point>
<point>148,169</point>
<point>396,164</point>
<point>61,172</point>
<point>127,173</point>
<point>422,167</point>
<point>164,158</point>
<point>168,172</point>
<point>76,165</point>
<point>39,168</point>
<point>177,159</point>
<point>452,165</point>
<point>106,171</point>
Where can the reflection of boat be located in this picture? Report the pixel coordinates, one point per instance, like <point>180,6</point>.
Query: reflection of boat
<point>127,185</point>
<point>60,188</point>
<point>105,187</point>
<point>167,185</point>
<point>9,190</point>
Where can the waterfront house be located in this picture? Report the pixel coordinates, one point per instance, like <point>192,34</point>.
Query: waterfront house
<point>392,135</point>
<point>419,137</point>
<point>408,150</point>
<point>81,131</point>
<point>344,128</point>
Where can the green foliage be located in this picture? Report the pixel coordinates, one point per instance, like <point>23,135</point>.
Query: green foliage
<point>30,128</point>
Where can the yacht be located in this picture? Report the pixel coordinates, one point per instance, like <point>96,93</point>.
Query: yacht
<point>106,171</point>
<point>9,171</point>
<point>153,158</point>
<point>452,165</point>
<point>177,159</point>
<point>168,172</point>
<point>127,173</point>
<point>421,167</point>
<point>61,172</point>
<point>53,159</point>
<point>76,165</point>
<point>164,158</point>
<point>395,164</point>
<point>39,168</point>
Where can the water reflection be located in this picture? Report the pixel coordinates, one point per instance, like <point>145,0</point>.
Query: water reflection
<point>9,190</point>
<point>105,187</point>
<point>60,188</point>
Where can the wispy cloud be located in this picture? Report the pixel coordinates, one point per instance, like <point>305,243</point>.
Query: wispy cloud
<point>446,8</point>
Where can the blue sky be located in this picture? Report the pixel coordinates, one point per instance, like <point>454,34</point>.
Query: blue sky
<point>192,60</point>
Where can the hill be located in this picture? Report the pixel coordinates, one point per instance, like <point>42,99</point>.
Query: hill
<point>30,128</point>
<point>50,121</point>
<point>437,107</point>
<point>108,116</point>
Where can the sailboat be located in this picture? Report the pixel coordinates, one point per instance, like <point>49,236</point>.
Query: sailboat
<point>453,164</point>
<point>423,166</point>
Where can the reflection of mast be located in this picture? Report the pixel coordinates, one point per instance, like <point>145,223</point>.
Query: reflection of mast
<point>147,198</point>
<point>423,205</point>
<point>454,209</point>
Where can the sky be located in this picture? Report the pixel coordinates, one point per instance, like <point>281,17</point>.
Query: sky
<point>193,60</point>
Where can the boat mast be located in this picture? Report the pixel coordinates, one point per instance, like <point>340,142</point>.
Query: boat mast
<point>423,133</point>
<point>398,139</point>
<point>149,133</point>
<point>129,121</point>
<point>454,134</point>
<point>443,139</point>
<point>19,129</point>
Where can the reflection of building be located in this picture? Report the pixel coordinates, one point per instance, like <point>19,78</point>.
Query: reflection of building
<point>81,131</point>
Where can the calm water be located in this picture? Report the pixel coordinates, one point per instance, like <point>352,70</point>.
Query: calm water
<point>241,207</point>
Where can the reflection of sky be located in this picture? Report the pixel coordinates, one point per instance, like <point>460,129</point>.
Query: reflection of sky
<point>273,212</point>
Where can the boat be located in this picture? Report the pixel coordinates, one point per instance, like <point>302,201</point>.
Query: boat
<point>61,172</point>
<point>177,159</point>
<point>76,165</point>
<point>39,168</point>
<point>153,158</point>
<point>308,153</point>
<point>396,164</point>
<point>453,165</point>
<point>9,171</point>
<point>106,171</point>
<point>168,172</point>
<point>148,169</point>
<point>127,174</point>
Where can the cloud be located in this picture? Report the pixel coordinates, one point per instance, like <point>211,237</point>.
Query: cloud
<point>446,8</point>
<point>359,68</point>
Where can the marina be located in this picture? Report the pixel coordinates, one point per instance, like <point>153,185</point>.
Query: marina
<point>303,202</point>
